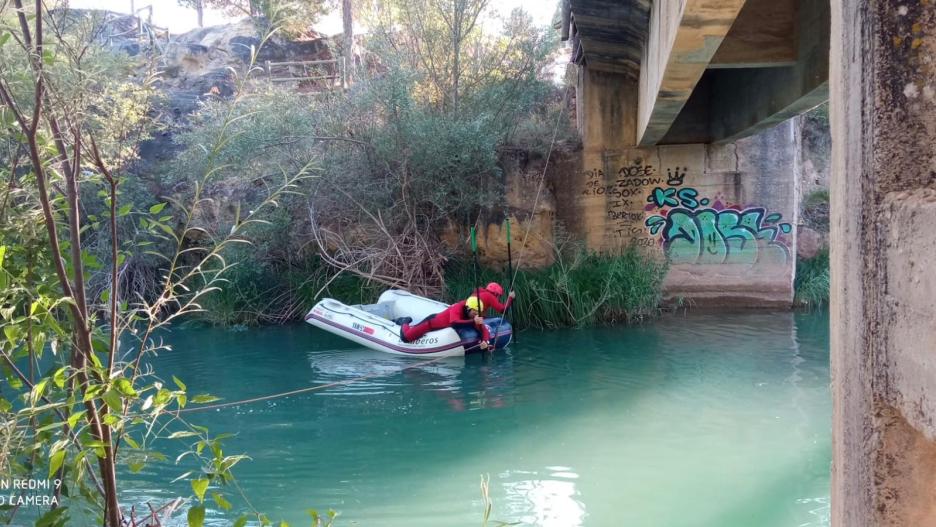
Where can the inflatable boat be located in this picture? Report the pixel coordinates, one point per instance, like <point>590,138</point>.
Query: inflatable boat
<point>375,326</point>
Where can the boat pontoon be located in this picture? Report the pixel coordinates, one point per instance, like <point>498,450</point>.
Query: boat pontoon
<point>375,326</point>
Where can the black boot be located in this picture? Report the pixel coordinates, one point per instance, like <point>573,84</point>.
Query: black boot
<point>403,320</point>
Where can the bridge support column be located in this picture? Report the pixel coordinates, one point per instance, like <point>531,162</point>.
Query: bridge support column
<point>724,215</point>
<point>883,93</point>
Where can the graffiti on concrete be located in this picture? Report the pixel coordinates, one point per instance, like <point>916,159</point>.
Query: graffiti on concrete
<point>623,198</point>
<point>690,227</point>
<point>707,236</point>
<point>630,181</point>
<point>672,197</point>
<point>694,231</point>
<point>675,177</point>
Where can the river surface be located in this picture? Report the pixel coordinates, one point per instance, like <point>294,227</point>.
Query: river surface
<point>696,420</point>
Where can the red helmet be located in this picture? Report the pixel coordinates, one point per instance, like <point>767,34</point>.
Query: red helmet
<point>495,289</point>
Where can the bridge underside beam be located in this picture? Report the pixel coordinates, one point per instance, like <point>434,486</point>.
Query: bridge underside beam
<point>611,33</point>
<point>681,44</point>
<point>729,104</point>
<point>763,36</point>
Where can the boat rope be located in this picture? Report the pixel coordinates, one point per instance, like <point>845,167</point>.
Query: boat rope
<point>539,188</point>
<point>539,191</point>
<point>307,389</point>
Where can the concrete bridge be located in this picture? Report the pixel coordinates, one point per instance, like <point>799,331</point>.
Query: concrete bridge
<point>682,106</point>
<point>704,71</point>
<point>679,103</point>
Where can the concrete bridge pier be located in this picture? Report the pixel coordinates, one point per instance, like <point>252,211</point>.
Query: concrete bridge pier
<point>724,214</point>
<point>671,94</point>
<point>687,148</point>
<point>883,95</point>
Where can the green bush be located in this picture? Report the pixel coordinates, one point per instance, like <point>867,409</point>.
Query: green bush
<point>816,198</point>
<point>257,292</point>
<point>812,281</point>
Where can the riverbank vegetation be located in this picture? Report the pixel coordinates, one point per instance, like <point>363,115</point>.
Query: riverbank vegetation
<point>811,286</point>
<point>410,152</point>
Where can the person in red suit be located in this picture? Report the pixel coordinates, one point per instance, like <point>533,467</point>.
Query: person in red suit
<point>490,296</point>
<point>465,312</point>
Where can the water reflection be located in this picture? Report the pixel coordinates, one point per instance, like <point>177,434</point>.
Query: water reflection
<point>547,502</point>
<point>462,384</point>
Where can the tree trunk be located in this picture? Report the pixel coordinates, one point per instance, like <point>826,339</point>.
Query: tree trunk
<point>456,51</point>
<point>200,8</point>
<point>347,19</point>
<point>83,347</point>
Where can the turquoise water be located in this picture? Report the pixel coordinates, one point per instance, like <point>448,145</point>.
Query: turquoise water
<point>699,420</point>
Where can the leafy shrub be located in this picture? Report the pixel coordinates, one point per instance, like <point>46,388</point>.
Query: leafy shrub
<point>811,285</point>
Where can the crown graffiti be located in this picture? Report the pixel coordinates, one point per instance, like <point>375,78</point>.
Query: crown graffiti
<point>674,177</point>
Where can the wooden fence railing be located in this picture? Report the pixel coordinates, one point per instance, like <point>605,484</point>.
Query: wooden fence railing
<point>332,70</point>
<point>144,28</point>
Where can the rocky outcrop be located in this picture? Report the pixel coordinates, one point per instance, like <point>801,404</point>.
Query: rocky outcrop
<point>808,243</point>
<point>536,231</point>
<point>205,62</point>
<point>814,144</point>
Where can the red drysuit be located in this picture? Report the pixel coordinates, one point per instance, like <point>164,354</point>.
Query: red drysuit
<point>453,315</point>
<point>489,299</point>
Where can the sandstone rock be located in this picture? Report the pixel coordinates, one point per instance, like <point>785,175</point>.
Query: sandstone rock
<point>242,46</point>
<point>538,251</point>
<point>492,242</point>
<point>522,176</point>
<point>130,48</point>
<point>808,243</point>
<point>219,82</point>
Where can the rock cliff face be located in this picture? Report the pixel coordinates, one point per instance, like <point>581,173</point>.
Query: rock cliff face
<point>203,64</point>
<point>814,143</point>
<point>532,201</point>
<point>199,63</point>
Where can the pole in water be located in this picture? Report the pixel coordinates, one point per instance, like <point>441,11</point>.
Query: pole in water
<point>474,252</point>
<point>509,274</point>
<point>509,283</point>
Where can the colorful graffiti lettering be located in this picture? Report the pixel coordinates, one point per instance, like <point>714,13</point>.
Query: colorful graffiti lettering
<point>709,236</point>
<point>716,234</point>
<point>672,197</point>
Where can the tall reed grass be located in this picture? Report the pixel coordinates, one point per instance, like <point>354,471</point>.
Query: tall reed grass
<point>812,281</point>
<point>580,289</point>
